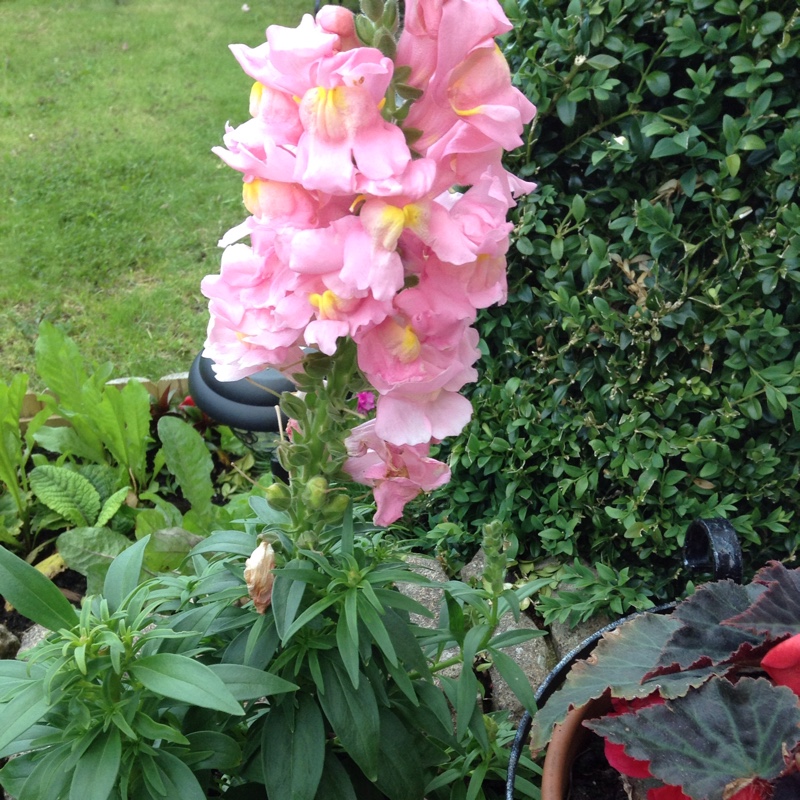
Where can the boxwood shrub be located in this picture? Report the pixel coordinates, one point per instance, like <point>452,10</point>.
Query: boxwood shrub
<point>646,368</point>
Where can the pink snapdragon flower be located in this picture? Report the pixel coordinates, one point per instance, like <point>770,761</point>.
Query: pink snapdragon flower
<point>396,473</point>
<point>344,132</point>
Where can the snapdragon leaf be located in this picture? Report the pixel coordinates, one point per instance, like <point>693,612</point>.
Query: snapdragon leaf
<point>718,734</point>
<point>186,680</point>
<point>293,749</point>
<point>34,595</point>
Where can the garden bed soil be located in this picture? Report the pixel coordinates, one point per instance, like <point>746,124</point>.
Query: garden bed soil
<point>592,776</point>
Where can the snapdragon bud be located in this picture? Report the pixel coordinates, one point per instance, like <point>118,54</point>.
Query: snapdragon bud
<point>315,492</point>
<point>373,9</point>
<point>335,508</point>
<point>278,496</point>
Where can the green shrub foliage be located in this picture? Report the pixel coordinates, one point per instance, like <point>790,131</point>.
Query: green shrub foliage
<point>646,368</point>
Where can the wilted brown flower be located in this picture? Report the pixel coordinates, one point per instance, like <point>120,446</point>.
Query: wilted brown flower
<point>259,576</point>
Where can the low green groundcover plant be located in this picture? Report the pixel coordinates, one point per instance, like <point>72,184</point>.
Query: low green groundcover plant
<point>646,367</point>
<point>120,466</point>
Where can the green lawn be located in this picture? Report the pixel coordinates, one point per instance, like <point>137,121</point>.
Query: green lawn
<point>111,203</point>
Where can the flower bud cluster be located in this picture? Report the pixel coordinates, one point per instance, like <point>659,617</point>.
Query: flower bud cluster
<point>357,142</point>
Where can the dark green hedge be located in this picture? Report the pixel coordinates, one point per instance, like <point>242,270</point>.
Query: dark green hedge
<point>646,368</point>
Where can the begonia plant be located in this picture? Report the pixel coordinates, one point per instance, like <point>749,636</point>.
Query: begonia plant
<point>703,700</point>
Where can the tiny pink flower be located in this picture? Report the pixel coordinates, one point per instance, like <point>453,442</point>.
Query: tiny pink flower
<point>365,402</point>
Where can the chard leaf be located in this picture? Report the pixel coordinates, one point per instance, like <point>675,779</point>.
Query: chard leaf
<point>714,736</point>
<point>85,548</point>
<point>188,459</point>
<point>67,493</point>
<point>112,505</point>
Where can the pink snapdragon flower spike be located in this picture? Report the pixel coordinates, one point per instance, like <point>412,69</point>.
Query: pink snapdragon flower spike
<point>373,220</point>
<point>397,474</point>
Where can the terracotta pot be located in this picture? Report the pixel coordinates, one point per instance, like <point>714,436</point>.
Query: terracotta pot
<point>566,743</point>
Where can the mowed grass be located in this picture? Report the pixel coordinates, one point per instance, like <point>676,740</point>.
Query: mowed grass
<point>111,203</point>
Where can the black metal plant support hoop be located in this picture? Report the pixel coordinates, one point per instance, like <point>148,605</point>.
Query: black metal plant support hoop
<point>709,543</point>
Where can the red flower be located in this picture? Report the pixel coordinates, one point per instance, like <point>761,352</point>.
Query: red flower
<point>755,790</point>
<point>782,664</point>
<point>667,793</point>
<point>634,767</point>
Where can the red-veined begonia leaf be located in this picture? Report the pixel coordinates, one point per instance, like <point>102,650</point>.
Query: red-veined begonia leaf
<point>715,736</point>
<point>620,661</point>
<point>776,612</point>
<point>701,640</point>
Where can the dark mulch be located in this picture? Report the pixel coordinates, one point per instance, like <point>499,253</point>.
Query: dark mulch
<point>592,777</point>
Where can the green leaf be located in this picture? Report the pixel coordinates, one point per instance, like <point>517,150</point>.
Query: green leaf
<point>179,780</point>
<point>189,460</point>
<point>12,457</point>
<point>19,714</point>
<point>237,543</point>
<point>287,594</point>
<point>683,744</point>
<point>578,208</point>
<point>85,548</point>
<point>658,83</point>
<point>603,61</point>
<point>54,349</point>
<point>335,783</point>
<point>50,776</point>
<point>401,775</point>
<point>150,729</point>
<point>353,715</point>
<point>111,506</point>
<point>310,613</point>
<point>34,595</point>
<point>752,142</point>
<point>96,772</point>
<point>168,548</point>
<point>248,683</point>
<point>67,493</point>
<point>566,110</point>
<point>184,679</point>
<point>370,617</point>
<point>347,638</point>
<point>293,749</point>
<point>215,751</point>
<point>516,678</point>
<point>123,420</point>
<point>123,574</point>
